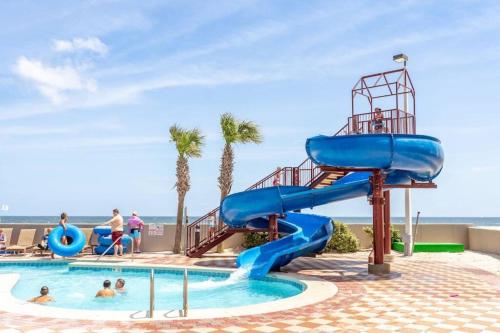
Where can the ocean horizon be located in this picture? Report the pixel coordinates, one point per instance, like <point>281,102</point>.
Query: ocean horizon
<point>478,221</point>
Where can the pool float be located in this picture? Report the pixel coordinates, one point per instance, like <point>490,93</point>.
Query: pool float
<point>105,240</point>
<point>73,248</point>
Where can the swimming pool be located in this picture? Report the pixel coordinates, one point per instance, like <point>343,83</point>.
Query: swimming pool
<point>74,287</point>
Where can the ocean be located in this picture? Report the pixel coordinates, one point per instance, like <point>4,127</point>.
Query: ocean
<point>478,221</point>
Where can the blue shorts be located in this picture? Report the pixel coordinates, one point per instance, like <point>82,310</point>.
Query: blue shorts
<point>135,233</point>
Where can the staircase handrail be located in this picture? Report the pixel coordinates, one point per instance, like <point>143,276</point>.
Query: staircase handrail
<point>312,172</point>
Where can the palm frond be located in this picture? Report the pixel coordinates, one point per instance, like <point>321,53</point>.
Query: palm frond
<point>248,131</point>
<point>229,127</point>
<point>187,142</point>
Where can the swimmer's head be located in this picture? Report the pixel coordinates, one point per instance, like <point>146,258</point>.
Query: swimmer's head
<point>120,283</point>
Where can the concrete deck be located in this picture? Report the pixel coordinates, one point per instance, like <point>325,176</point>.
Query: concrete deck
<point>419,295</point>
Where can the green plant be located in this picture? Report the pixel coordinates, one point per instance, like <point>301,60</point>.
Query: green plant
<point>343,239</point>
<point>252,239</point>
<point>395,234</point>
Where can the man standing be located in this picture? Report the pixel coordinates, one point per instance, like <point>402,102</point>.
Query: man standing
<point>116,232</point>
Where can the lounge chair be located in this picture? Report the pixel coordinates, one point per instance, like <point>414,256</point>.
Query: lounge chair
<point>39,250</point>
<point>89,234</point>
<point>8,235</point>
<point>24,242</point>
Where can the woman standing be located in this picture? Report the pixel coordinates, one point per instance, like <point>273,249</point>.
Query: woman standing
<point>135,226</point>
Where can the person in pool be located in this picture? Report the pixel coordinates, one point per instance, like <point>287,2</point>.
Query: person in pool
<point>106,291</point>
<point>135,226</point>
<point>44,296</point>
<point>120,286</point>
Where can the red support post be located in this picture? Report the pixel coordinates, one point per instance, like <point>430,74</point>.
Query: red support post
<point>296,180</point>
<point>273,227</point>
<point>387,222</point>
<point>377,183</point>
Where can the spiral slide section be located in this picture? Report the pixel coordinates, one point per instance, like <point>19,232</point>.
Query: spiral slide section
<point>402,158</point>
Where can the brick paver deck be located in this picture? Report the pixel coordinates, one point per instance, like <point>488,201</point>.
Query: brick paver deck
<point>418,296</point>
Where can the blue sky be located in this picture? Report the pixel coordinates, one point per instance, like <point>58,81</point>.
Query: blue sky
<point>89,89</point>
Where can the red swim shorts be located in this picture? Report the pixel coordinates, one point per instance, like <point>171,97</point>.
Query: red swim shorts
<point>116,235</point>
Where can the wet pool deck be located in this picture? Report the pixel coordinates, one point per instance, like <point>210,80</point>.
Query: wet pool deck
<point>422,294</point>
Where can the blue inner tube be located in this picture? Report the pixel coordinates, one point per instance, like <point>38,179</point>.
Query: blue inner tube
<point>107,241</point>
<point>69,250</point>
<point>102,230</point>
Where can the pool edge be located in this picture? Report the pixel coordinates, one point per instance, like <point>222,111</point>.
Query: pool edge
<point>316,290</point>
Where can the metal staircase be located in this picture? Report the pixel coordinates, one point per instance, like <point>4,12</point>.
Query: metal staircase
<point>205,233</point>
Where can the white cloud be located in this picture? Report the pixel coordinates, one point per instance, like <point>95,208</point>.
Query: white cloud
<point>107,125</point>
<point>126,142</point>
<point>93,44</point>
<point>52,81</point>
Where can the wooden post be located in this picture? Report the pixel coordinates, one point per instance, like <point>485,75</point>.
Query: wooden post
<point>273,227</point>
<point>378,211</point>
<point>387,222</point>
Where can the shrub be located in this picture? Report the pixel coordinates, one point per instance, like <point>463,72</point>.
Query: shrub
<point>253,239</point>
<point>395,234</point>
<point>343,240</point>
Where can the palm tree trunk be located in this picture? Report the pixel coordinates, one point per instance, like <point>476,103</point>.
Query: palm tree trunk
<point>225,181</point>
<point>178,226</point>
<point>182,184</point>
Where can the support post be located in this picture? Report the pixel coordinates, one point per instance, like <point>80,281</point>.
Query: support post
<point>378,266</point>
<point>408,224</point>
<point>387,222</point>
<point>273,227</point>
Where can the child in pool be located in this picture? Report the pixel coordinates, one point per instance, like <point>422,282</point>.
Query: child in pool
<point>120,286</point>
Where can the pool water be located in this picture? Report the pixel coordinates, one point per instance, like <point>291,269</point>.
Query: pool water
<point>75,287</point>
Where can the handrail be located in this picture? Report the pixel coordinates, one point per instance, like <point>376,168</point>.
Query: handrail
<point>185,304</point>
<point>302,175</point>
<point>151,293</point>
<point>109,247</point>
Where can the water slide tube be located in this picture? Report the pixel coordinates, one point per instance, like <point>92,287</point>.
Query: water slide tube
<point>76,246</point>
<point>105,240</point>
<point>401,158</point>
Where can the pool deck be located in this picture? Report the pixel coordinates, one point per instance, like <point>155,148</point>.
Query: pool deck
<point>424,293</point>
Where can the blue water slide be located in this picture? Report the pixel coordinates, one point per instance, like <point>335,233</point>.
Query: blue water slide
<point>402,158</point>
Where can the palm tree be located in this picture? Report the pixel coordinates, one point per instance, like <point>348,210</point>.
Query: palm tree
<point>233,131</point>
<point>188,144</point>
